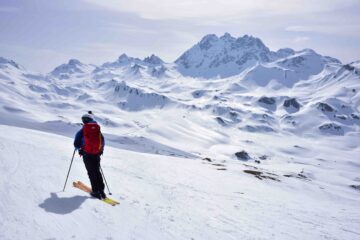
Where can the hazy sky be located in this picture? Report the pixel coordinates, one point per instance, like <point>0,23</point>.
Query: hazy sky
<point>41,34</point>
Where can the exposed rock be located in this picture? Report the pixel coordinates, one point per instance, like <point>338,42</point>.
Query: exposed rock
<point>357,187</point>
<point>299,176</point>
<point>262,175</point>
<point>267,100</point>
<point>258,128</point>
<point>355,116</point>
<point>291,103</point>
<point>297,146</point>
<point>349,67</point>
<point>331,128</point>
<point>198,93</point>
<point>221,121</point>
<point>243,155</point>
<point>233,114</point>
<point>288,119</point>
<point>136,68</point>
<point>342,117</point>
<point>207,159</point>
<point>218,164</point>
<point>153,59</point>
<point>263,157</point>
<point>325,107</point>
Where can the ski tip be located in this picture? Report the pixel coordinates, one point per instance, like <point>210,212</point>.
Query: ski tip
<point>76,182</point>
<point>110,201</point>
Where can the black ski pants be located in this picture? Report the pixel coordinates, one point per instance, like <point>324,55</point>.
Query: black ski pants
<point>92,164</point>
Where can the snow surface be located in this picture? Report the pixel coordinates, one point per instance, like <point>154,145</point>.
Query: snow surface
<point>177,198</point>
<point>172,132</point>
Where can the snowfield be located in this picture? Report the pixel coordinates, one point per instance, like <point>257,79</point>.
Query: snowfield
<point>174,198</point>
<point>230,141</point>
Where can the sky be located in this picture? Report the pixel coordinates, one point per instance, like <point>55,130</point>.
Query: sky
<point>42,34</point>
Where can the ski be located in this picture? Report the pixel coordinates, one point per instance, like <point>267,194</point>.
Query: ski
<point>87,189</point>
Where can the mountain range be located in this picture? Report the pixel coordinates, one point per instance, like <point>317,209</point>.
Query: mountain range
<point>225,76</point>
<point>230,141</point>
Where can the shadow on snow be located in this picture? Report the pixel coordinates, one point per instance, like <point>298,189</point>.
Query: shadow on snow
<point>65,205</point>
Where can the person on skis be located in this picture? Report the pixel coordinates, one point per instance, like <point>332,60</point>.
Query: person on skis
<point>90,143</point>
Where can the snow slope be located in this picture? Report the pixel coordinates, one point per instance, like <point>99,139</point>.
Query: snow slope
<point>231,141</point>
<point>173,198</point>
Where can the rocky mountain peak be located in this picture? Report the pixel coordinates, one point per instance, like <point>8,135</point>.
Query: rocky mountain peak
<point>222,56</point>
<point>123,58</point>
<point>154,60</point>
<point>73,66</point>
<point>74,62</point>
<point>227,37</point>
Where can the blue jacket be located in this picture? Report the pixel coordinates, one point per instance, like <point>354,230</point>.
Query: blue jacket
<point>79,140</point>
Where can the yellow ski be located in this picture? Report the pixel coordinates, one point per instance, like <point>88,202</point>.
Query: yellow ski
<point>82,186</point>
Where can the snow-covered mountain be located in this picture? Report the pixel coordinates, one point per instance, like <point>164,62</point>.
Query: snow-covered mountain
<point>237,75</point>
<point>73,68</point>
<point>6,63</point>
<point>223,56</point>
<point>227,56</point>
<point>153,60</point>
<point>230,134</point>
<point>130,67</point>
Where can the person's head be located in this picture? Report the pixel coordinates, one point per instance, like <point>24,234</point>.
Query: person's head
<point>87,117</point>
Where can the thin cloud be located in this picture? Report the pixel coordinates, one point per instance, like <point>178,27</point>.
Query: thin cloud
<point>174,9</point>
<point>300,29</point>
<point>333,28</point>
<point>301,39</point>
<point>100,30</point>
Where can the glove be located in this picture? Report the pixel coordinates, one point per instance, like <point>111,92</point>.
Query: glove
<point>81,152</point>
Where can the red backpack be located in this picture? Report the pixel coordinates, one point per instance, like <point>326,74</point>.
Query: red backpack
<point>92,138</point>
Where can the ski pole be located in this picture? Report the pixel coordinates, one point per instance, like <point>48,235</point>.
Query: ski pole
<point>69,169</point>
<point>105,181</point>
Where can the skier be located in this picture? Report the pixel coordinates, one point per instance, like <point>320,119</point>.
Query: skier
<point>90,143</point>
